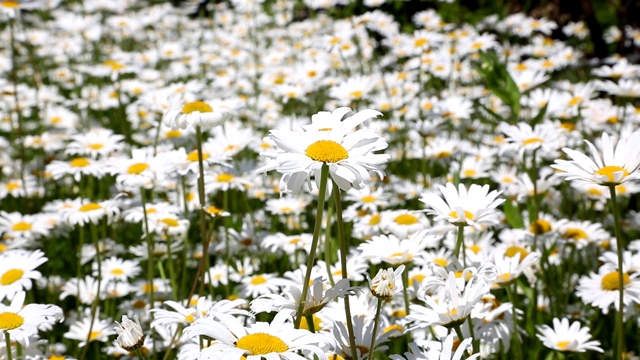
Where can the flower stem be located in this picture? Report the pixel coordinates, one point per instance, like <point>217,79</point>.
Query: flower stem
<point>375,329</point>
<point>343,264</point>
<point>620,248</point>
<point>459,241</point>
<point>322,191</point>
<point>203,219</point>
<point>148,237</point>
<point>7,340</point>
<point>139,353</point>
<point>405,292</point>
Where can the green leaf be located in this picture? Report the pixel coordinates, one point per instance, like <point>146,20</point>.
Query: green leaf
<point>513,215</point>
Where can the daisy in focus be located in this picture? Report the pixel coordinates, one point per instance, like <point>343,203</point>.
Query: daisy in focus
<point>197,113</point>
<point>275,340</point>
<point>463,206</point>
<point>610,163</point>
<point>567,338</point>
<point>329,140</point>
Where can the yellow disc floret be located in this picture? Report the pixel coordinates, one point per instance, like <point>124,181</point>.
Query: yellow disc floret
<point>611,281</point>
<point>137,168</point>
<point>610,170</point>
<point>327,151</point>
<point>11,276</point>
<point>262,344</point>
<point>198,106</point>
<point>10,321</point>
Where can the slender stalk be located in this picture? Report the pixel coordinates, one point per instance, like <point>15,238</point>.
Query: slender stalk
<point>203,219</point>
<point>7,340</point>
<point>343,263</point>
<point>375,328</point>
<point>405,291</point>
<point>310,324</point>
<point>150,274</point>
<point>324,176</point>
<point>459,241</point>
<point>515,339</point>
<point>96,300</point>
<point>327,244</point>
<point>139,353</point>
<point>620,248</point>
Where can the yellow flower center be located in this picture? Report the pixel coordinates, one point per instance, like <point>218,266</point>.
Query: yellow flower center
<point>189,318</point>
<point>611,281</point>
<point>326,151</point>
<point>170,222</point>
<point>13,185</point>
<point>196,106</point>
<point>56,357</point>
<point>504,277</point>
<point>467,214</point>
<point>193,156</point>
<point>575,234</point>
<point>368,199</point>
<point>21,226</point>
<point>540,227</point>
<point>10,321</point>
<point>80,162</point>
<point>224,177</point>
<point>419,42</point>
<point>262,344</point>
<point>469,172</point>
<point>214,210</point>
<point>563,344</point>
<point>513,250</point>
<point>440,261</point>
<point>316,323</point>
<point>95,146</point>
<point>11,276</point>
<point>137,168</point>
<point>172,134</point>
<point>405,219</point>
<point>94,335</point>
<point>114,65</point>
<point>257,280</point>
<point>90,207</point>
<point>375,219</point>
<point>532,140</point>
<point>117,272</point>
<point>610,170</point>
<point>10,4</point>
<point>356,94</point>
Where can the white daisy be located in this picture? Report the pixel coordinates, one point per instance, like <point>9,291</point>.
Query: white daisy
<point>610,164</point>
<point>328,140</point>
<point>23,321</point>
<point>564,337</point>
<point>17,270</point>
<point>197,113</point>
<point>602,289</point>
<point>275,340</point>
<point>464,207</point>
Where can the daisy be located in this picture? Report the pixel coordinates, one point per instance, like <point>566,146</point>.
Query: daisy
<point>23,321</point>
<point>602,289</point>
<point>18,226</point>
<point>85,212</point>
<point>260,284</point>
<point>197,113</point>
<point>85,329</point>
<point>464,207</point>
<point>610,164</point>
<point>393,251</point>
<point>329,140</point>
<point>17,270</point>
<point>95,143</point>
<point>386,283</point>
<point>141,170</point>
<point>77,167</point>
<point>567,338</point>
<point>363,332</point>
<point>130,334</point>
<point>449,349</point>
<point>116,269</point>
<point>403,223</point>
<point>275,340</point>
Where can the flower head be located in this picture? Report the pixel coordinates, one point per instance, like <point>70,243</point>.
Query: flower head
<point>564,337</point>
<point>464,206</point>
<point>611,164</point>
<point>329,140</point>
<point>386,283</point>
<point>130,335</point>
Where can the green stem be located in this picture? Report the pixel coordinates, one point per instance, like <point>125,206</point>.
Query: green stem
<point>620,248</point>
<point>343,263</point>
<point>203,219</point>
<point>327,244</point>
<point>149,238</point>
<point>375,329</point>
<point>7,340</point>
<point>310,324</point>
<point>515,343</point>
<point>139,353</point>
<point>96,300</point>
<point>459,242</point>
<point>322,191</point>
<point>405,291</point>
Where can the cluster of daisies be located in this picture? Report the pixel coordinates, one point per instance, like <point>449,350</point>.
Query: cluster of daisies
<point>257,179</point>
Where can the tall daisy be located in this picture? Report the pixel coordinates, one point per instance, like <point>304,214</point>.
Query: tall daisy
<point>17,270</point>
<point>275,340</point>
<point>330,140</point>
<point>23,321</point>
<point>567,338</point>
<point>609,164</point>
<point>463,206</point>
